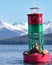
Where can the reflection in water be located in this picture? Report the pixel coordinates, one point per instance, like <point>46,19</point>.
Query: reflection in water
<point>47,63</point>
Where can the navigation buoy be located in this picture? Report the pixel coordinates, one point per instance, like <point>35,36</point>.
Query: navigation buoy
<point>36,51</point>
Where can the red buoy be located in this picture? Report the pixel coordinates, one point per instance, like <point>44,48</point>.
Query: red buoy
<point>35,57</point>
<point>36,52</point>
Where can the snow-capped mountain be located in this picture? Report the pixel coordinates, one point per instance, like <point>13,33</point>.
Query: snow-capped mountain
<point>16,30</point>
<point>10,31</point>
<point>47,27</point>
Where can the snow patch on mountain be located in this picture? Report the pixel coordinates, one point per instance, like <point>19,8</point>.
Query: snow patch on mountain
<point>47,27</point>
<point>13,30</point>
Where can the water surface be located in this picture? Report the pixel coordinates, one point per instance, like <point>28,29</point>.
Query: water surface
<point>13,54</point>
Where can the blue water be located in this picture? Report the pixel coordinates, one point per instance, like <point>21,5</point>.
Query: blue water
<point>13,54</point>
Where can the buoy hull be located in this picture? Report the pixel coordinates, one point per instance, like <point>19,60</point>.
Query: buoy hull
<point>35,57</point>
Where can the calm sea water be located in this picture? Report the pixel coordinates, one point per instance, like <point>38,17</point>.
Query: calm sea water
<point>13,54</point>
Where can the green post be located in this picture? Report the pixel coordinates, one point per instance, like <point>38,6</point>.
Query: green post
<point>35,31</point>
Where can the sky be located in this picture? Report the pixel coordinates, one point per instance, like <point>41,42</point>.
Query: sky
<point>15,11</point>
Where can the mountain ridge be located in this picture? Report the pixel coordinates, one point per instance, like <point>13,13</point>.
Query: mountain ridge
<point>17,29</point>
<point>24,40</point>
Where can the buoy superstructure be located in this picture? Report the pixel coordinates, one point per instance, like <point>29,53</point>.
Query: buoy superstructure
<point>35,36</point>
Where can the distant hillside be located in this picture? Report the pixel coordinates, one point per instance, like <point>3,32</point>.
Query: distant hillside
<point>24,40</point>
<point>16,40</point>
<point>48,38</point>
